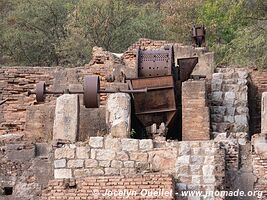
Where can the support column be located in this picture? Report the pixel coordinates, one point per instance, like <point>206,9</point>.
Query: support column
<point>66,121</point>
<point>118,115</point>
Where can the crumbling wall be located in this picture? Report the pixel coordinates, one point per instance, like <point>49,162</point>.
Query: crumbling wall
<point>112,187</point>
<point>194,165</point>
<point>15,82</point>
<point>25,170</point>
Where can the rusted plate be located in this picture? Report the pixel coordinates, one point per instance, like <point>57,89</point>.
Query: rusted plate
<point>91,95</point>
<point>154,63</point>
<point>186,66</point>
<point>158,104</point>
<point>40,91</point>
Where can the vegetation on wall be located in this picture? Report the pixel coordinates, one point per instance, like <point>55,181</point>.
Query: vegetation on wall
<point>63,32</point>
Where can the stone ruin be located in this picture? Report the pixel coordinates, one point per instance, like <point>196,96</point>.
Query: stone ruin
<point>61,150</point>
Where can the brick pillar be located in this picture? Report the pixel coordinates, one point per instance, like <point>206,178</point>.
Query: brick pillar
<point>264,112</point>
<point>195,112</point>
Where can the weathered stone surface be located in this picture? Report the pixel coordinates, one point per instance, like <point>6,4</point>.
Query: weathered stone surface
<point>128,164</point>
<point>82,152</point>
<point>66,121</point>
<point>60,163</point>
<point>112,171</point>
<point>104,163</point>
<point>146,144</point>
<point>64,152</point>
<point>129,144</point>
<point>118,115</point>
<point>113,143</point>
<point>260,144</point>
<point>138,156</point>
<point>96,142</point>
<point>116,164</point>
<point>90,163</point>
<point>264,113</point>
<point>22,152</point>
<point>105,154</point>
<point>122,155</point>
<point>75,163</point>
<point>62,173</point>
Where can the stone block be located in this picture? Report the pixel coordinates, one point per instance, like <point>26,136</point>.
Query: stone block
<point>62,173</point>
<point>90,163</point>
<point>118,115</point>
<point>97,172</point>
<point>184,148</point>
<point>264,113</point>
<point>208,170</point>
<point>82,152</point>
<point>64,152</point>
<point>141,157</point>
<point>66,121</point>
<point>113,143</point>
<point>42,149</point>
<point>21,152</point>
<point>42,124</point>
<point>128,164</point>
<point>97,125</point>
<point>60,163</point>
<point>112,171</point>
<point>183,160</point>
<point>129,144</point>
<point>104,163</point>
<point>96,142</point>
<point>116,164</point>
<point>146,144</point>
<point>105,154</point>
<point>122,155</point>
<point>75,163</point>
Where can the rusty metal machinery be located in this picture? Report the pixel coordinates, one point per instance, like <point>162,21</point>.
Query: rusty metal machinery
<point>158,72</point>
<point>91,91</point>
<point>198,35</point>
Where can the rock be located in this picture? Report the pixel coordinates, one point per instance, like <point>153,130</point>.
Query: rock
<point>118,115</point>
<point>82,152</point>
<point>62,173</point>
<point>113,143</point>
<point>96,142</point>
<point>90,163</point>
<point>142,157</point>
<point>66,121</point>
<point>60,163</point>
<point>75,163</point>
<point>216,85</point>
<point>104,163</point>
<point>153,129</point>
<point>64,152</point>
<point>217,76</point>
<point>184,148</point>
<point>116,164</point>
<point>98,172</point>
<point>122,155</point>
<point>241,120</point>
<point>217,97</point>
<point>243,74</point>
<point>129,144</point>
<point>112,171</point>
<point>105,154</point>
<point>229,96</point>
<point>208,170</point>
<point>146,144</point>
<point>128,164</point>
<point>183,160</point>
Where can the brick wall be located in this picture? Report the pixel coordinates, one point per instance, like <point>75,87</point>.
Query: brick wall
<point>15,82</point>
<point>259,162</point>
<point>192,164</point>
<point>195,111</point>
<point>115,187</point>
<point>257,85</point>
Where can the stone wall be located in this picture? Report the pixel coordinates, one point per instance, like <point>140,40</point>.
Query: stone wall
<point>229,100</point>
<point>195,111</point>
<point>194,165</point>
<point>112,187</point>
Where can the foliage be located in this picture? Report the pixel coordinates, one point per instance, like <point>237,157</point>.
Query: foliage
<point>63,32</point>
